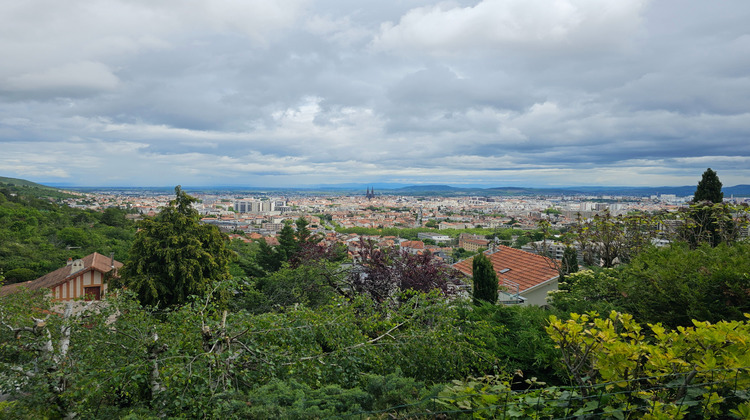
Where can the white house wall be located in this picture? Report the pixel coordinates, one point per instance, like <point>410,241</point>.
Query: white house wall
<point>74,288</point>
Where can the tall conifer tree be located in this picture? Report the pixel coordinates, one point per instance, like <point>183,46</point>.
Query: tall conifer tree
<point>709,188</point>
<point>485,280</point>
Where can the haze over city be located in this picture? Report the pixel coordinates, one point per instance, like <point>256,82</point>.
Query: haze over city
<point>301,92</point>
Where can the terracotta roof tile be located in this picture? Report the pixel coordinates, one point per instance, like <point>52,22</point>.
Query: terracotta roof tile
<point>526,269</point>
<point>412,244</point>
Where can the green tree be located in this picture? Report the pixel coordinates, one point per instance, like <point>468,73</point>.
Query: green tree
<point>288,244</point>
<point>19,275</point>
<point>709,188</point>
<point>71,236</point>
<point>174,256</point>
<point>675,285</point>
<point>601,290</point>
<point>485,280</point>
<point>113,216</point>
<point>268,257</point>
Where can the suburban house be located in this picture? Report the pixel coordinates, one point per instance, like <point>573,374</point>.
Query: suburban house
<point>524,278</point>
<point>85,278</point>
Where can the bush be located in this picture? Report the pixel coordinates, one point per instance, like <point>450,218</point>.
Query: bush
<point>19,275</point>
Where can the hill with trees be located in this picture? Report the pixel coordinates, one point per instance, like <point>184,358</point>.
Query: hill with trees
<point>38,235</point>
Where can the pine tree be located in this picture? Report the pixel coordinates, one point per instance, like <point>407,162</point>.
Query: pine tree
<point>288,245</point>
<point>485,280</point>
<point>709,188</point>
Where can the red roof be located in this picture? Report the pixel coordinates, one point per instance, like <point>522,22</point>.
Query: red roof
<point>524,268</point>
<point>412,244</point>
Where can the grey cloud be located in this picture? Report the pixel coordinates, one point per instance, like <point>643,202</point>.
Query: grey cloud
<point>331,91</point>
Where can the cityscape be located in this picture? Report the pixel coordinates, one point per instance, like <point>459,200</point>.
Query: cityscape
<point>263,215</point>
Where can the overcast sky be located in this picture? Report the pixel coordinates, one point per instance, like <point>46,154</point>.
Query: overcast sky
<point>305,92</point>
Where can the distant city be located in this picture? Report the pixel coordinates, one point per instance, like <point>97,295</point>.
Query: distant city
<point>263,213</point>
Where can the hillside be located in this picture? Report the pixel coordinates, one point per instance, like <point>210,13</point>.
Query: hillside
<point>31,189</point>
<point>39,235</point>
<point>22,183</point>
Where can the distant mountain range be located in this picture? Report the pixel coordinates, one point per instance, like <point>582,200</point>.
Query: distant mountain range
<point>425,190</point>
<point>684,191</point>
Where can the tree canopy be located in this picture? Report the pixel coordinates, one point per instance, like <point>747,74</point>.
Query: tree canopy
<point>709,188</point>
<point>174,256</point>
<point>37,235</point>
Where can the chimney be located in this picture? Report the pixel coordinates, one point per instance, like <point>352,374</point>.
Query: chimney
<point>76,266</point>
<point>70,261</point>
<point>112,260</point>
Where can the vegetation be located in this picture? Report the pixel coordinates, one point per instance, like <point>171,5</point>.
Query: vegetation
<point>386,274</point>
<point>38,236</point>
<point>174,256</point>
<point>671,285</point>
<point>208,328</point>
<point>569,262</point>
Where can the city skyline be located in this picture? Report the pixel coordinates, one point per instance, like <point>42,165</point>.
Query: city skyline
<point>487,93</point>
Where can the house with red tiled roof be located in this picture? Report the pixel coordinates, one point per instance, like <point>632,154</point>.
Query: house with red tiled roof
<point>524,278</point>
<point>85,278</point>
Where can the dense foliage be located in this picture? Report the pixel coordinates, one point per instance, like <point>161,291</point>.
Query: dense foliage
<point>672,285</point>
<point>175,256</point>
<point>384,274</point>
<point>38,236</point>
<point>198,361</point>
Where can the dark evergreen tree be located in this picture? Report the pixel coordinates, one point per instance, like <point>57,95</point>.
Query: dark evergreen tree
<point>485,280</point>
<point>268,258</point>
<point>709,188</point>
<point>288,245</point>
<point>174,256</point>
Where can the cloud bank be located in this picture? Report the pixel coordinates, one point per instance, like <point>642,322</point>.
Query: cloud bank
<point>304,92</point>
